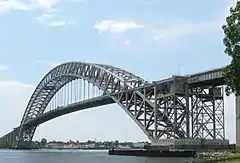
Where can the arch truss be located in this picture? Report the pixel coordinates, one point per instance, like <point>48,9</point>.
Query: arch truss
<point>140,99</point>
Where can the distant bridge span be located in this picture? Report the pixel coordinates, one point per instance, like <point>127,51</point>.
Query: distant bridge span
<point>179,107</point>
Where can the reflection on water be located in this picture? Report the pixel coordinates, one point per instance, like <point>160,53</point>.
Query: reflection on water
<point>77,156</point>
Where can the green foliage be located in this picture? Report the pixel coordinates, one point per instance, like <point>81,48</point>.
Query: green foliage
<point>5,145</point>
<point>43,142</point>
<point>232,44</point>
<point>35,145</point>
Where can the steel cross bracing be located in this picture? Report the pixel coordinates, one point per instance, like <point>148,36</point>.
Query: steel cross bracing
<point>150,107</point>
<point>207,112</point>
<point>157,115</point>
<point>177,107</point>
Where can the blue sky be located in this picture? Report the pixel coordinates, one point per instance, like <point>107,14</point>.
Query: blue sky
<point>151,38</point>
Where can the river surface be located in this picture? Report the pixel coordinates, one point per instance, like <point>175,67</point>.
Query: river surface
<point>76,156</point>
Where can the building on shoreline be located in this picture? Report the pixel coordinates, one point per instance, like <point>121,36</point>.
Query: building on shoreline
<point>94,145</point>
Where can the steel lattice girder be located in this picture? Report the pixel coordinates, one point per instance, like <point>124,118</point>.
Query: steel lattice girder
<point>176,108</point>
<point>207,113</point>
<point>109,79</point>
<point>152,118</point>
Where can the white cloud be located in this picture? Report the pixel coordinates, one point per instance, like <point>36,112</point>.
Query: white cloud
<point>46,6</point>
<point>60,23</point>
<point>53,20</point>
<point>114,26</point>
<point>45,17</point>
<point>149,35</point>
<point>4,67</point>
<point>8,5</point>
<point>166,35</point>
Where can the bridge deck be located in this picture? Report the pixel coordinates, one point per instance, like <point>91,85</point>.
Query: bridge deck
<point>86,104</point>
<point>212,77</point>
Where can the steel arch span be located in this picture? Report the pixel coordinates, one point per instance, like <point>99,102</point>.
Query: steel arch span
<point>116,83</point>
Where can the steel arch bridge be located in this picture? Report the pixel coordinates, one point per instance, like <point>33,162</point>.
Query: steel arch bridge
<point>162,109</point>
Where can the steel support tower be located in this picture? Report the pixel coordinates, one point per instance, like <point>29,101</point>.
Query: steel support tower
<point>207,112</point>
<point>175,105</point>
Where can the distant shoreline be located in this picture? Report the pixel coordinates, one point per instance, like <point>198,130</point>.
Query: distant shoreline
<point>60,148</point>
<point>77,148</point>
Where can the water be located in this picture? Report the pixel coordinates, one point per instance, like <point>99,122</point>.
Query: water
<point>76,156</point>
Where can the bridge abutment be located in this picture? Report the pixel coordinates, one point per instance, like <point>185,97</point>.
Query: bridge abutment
<point>9,140</point>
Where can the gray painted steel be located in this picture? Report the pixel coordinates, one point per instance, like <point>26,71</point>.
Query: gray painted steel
<point>180,107</point>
